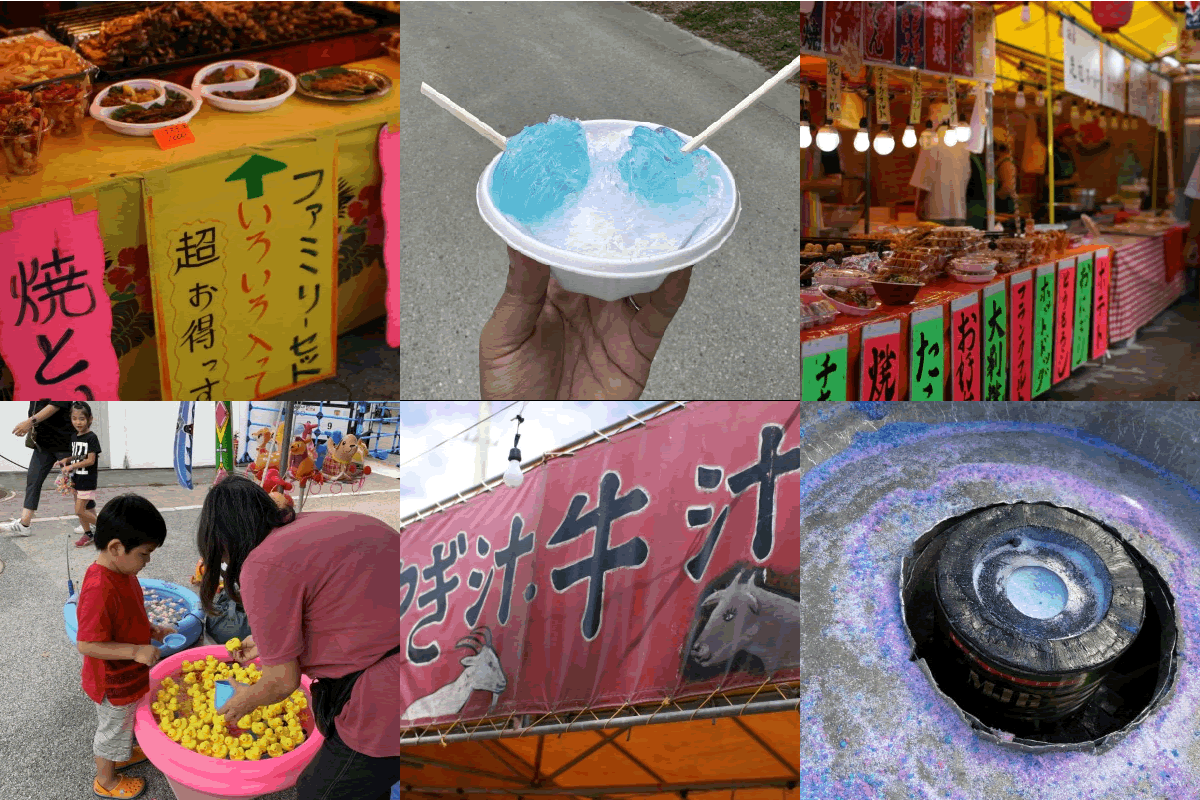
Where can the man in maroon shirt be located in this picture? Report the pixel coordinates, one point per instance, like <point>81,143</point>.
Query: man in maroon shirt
<point>320,591</point>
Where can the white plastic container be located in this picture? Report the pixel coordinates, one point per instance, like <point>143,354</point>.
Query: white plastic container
<point>104,115</point>
<point>207,92</point>
<point>609,278</point>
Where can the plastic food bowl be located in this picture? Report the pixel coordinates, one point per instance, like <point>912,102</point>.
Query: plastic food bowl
<point>104,115</point>
<point>207,92</point>
<point>190,628</point>
<point>194,776</point>
<point>896,294</point>
<point>611,278</point>
<point>853,311</point>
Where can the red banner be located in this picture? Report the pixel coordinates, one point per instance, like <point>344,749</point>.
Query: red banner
<point>646,567</point>
<point>939,39</point>
<point>964,344</point>
<point>962,52</point>
<point>1100,303</point>
<point>881,366</point>
<point>1020,326</point>
<point>1064,319</point>
<point>879,32</point>
<point>910,35</point>
<point>843,25</point>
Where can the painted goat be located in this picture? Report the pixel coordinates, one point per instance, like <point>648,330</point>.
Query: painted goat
<point>483,673</point>
<point>747,616</point>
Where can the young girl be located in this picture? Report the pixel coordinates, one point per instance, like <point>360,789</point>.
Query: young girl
<point>81,468</point>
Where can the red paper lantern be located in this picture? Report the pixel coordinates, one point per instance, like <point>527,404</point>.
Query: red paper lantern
<point>1111,16</point>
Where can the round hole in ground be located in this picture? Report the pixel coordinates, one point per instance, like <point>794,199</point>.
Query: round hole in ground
<point>1040,624</point>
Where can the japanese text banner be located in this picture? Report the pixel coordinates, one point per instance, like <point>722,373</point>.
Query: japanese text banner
<point>654,565</point>
<point>55,317</point>
<point>243,257</point>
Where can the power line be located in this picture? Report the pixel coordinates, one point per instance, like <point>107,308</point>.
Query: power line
<point>460,433</point>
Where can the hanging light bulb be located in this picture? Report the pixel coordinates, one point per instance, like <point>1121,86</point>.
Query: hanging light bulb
<point>862,139</point>
<point>909,139</point>
<point>513,477</point>
<point>1058,107</point>
<point>1103,123</point>
<point>928,137</point>
<point>962,130</point>
<point>1021,95</point>
<point>1074,113</point>
<point>1124,122</point>
<point>827,137</point>
<point>1134,122</point>
<point>949,135</point>
<point>1041,96</point>
<point>885,143</point>
<point>806,138</point>
<point>1087,114</point>
<point>1025,15</point>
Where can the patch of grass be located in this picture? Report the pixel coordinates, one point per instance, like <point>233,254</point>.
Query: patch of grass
<point>768,33</point>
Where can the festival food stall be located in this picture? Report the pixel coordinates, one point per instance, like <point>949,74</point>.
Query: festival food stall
<point>883,279</point>
<point>195,200</point>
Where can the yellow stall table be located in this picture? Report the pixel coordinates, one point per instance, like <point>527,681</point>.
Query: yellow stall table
<point>107,171</point>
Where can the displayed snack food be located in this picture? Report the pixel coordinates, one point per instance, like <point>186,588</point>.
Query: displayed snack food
<point>894,276</point>
<point>270,84</point>
<point>22,127</point>
<point>65,105</point>
<point>849,296</point>
<point>178,30</point>
<point>122,95</point>
<point>176,106</point>
<point>352,82</point>
<point>392,45</point>
<point>840,276</point>
<point>33,58</point>
<point>228,74</point>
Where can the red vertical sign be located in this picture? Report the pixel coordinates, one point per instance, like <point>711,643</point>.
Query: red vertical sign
<point>843,25</point>
<point>879,32</point>
<point>881,365</point>
<point>1100,302</point>
<point>964,344</point>
<point>1064,319</point>
<point>1020,326</point>
<point>938,40</point>
<point>962,38</point>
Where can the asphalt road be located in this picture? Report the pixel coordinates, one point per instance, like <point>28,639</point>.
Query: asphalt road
<point>46,721</point>
<point>514,64</point>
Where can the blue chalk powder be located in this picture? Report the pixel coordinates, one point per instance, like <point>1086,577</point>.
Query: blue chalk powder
<point>543,168</point>
<point>1036,592</point>
<point>658,172</point>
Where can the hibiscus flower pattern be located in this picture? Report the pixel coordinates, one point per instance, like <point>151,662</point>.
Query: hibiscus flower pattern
<point>133,315</point>
<point>361,241</point>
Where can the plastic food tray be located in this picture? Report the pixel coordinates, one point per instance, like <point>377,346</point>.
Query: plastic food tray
<point>89,69</point>
<point>191,627</point>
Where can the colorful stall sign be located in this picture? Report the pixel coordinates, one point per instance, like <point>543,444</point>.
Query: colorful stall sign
<point>962,50</point>
<point>1082,71</point>
<point>985,42</point>
<point>939,36</point>
<point>812,35</point>
<point>843,26</point>
<point>55,317</point>
<point>926,361</point>
<point>1138,105</point>
<point>389,163</point>
<point>1020,334</point>
<point>964,343</point>
<point>995,342</point>
<point>1115,69</point>
<point>1043,330</point>
<point>1083,311</point>
<point>879,32</point>
<point>910,35</point>
<point>1100,291</point>
<point>823,368</point>
<point>606,560</point>
<point>880,361</point>
<point>1064,322</point>
<point>244,263</point>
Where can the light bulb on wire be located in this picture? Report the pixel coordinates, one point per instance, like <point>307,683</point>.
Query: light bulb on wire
<point>806,138</point>
<point>1103,122</point>
<point>885,143</point>
<point>827,137</point>
<point>1041,96</point>
<point>513,477</point>
<point>862,139</point>
<point>928,137</point>
<point>1020,95</point>
<point>962,130</point>
<point>949,135</point>
<point>1074,113</point>
<point>909,139</point>
<point>1025,14</point>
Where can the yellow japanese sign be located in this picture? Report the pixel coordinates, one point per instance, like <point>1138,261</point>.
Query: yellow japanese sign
<point>243,258</point>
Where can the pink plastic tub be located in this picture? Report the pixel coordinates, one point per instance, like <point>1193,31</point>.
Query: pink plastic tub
<point>197,777</point>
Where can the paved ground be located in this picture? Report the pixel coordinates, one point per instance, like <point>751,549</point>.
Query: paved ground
<point>47,723</point>
<point>514,64</point>
<point>1162,362</point>
<point>367,367</point>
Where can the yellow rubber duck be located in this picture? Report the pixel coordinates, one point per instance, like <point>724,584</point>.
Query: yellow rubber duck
<point>230,742</point>
<point>254,753</point>
<point>246,740</point>
<point>233,645</point>
<point>287,743</point>
<point>289,707</point>
<point>275,750</point>
<point>204,748</point>
<point>256,715</point>
<point>237,754</point>
<point>189,743</point>
<point>219,750</point>
<point>179,724</point>
<point>298,737</point>
<point>245,722</point>
<point>175,734</point>
<point>276,723</point>
<point>302,703</point>
<point>259,728</point>
<point>189,678</point>
<point>187,666</point>
<point>157,707</point>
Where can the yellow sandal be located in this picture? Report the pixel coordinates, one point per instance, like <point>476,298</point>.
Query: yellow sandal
<point>127,788</point>
<point>136,756</point>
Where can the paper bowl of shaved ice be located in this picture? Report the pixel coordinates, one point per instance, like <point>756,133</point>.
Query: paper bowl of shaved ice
<point>611,206</point>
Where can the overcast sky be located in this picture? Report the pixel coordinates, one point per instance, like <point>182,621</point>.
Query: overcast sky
<point>450,468</point>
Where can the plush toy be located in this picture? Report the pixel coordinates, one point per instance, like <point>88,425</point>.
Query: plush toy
<point>300,463</point>
<point>273,483</point>
<point>345,459</point>
<point>261,461</point>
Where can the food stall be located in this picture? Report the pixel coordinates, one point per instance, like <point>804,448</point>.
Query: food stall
<point>198,184</point>
<point>895,307</point>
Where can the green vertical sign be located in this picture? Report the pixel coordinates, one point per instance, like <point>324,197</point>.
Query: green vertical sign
<point>1043,329</point>
<point>823,368</point>
<point>926,362</point>
<point>995,342</point>
<point>1083,310</point>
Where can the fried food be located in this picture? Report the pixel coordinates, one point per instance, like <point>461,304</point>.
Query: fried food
<point>32,59</point>
<point>850,297</point>
<point>122,95</point>
<point>176,106</point>
<point>228,74</point>
<point>270,84</point>
<point>346,83</point>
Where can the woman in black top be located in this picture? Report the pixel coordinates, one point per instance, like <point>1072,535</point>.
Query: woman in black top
<point>50,422</point>
<point>80,468</point>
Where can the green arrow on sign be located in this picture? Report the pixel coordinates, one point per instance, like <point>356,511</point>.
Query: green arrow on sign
<point>252,172</point>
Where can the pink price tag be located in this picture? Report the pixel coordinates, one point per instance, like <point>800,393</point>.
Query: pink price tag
<point>174,136</point>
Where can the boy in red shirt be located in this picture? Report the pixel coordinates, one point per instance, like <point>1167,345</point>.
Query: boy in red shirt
<point>114,636</point>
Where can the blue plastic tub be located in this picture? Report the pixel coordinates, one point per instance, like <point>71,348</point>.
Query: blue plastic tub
<point>190,627</point>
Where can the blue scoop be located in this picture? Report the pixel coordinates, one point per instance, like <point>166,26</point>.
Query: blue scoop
<point>224,692</point>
